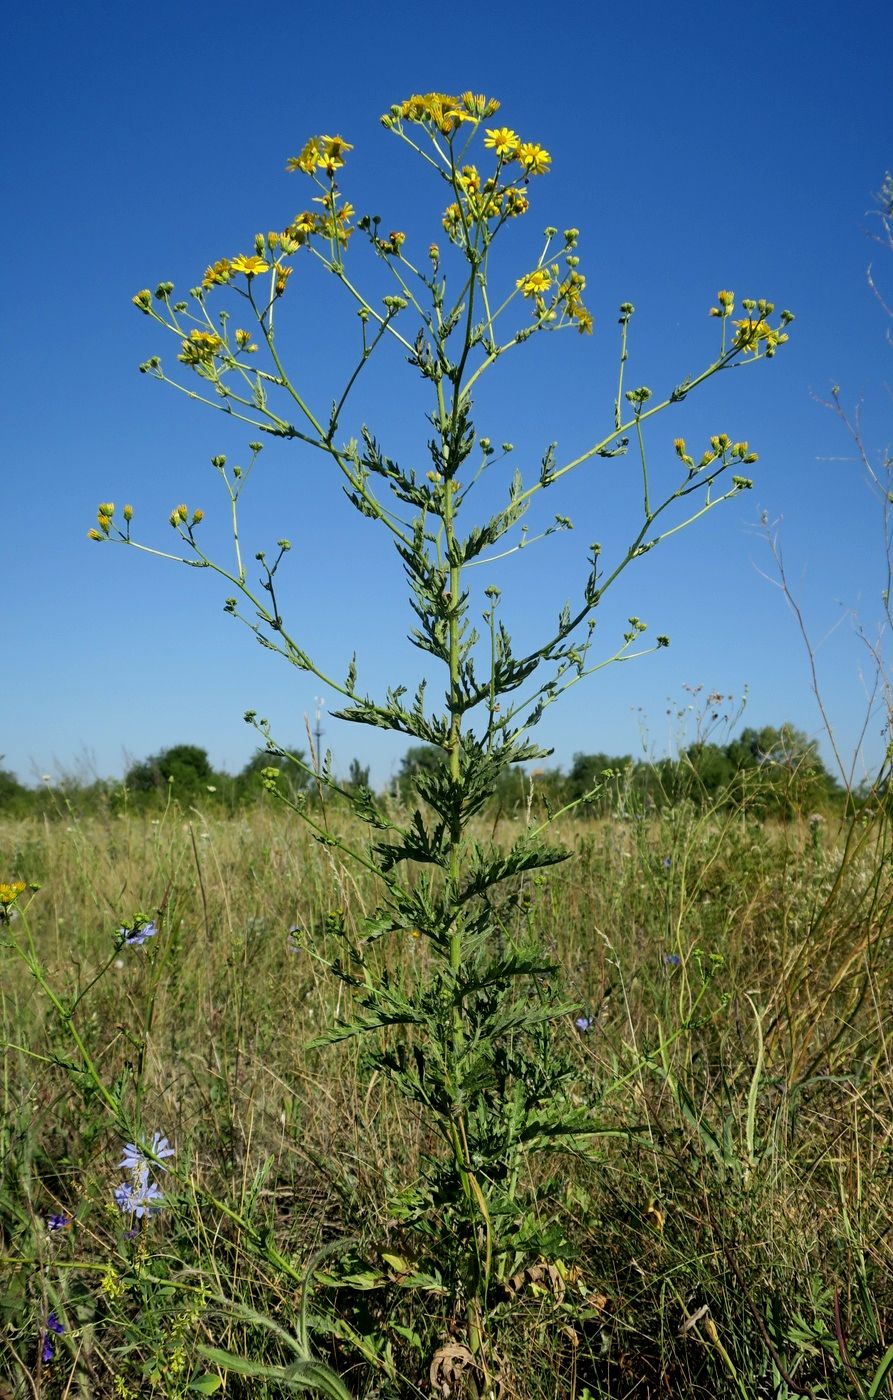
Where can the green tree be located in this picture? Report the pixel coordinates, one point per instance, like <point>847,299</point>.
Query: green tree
<point>15,799</point>
<point>184,767</point>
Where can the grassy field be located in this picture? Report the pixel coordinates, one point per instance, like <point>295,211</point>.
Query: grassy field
<point>728,1233</point>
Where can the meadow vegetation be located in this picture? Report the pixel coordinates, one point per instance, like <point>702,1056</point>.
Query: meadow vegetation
<point>728,1227</point>
<point>483,1087</point>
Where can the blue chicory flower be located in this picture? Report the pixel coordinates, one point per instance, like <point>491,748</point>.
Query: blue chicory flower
<point>140,1197</point>
<point>135,937</point>
<point>136,1160</point>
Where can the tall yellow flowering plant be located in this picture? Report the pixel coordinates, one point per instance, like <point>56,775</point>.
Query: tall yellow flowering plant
<point>472,1034</point>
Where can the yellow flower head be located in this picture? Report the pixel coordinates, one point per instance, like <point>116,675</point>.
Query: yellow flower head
<point>9,892</point>
<point>468,179</point>
<point>308,158</point>
<point>331,153</point>
<point>200,349</point>
<point>251,266</point>
<point>533,158</point>
<point>503,141</point>
<point>303,226</point>
<point>516,202</point>
<point>436,109</point>
<point>758,337</point>
<point>478,106</point>
<point>533,284</point>
<point>452,219</point>
<point>218,274</point>
<point>334,148</point>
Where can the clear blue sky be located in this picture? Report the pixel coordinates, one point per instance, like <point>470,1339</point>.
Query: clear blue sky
<point>696,147</point>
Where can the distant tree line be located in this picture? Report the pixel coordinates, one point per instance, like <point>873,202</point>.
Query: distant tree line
<point>769,771</point>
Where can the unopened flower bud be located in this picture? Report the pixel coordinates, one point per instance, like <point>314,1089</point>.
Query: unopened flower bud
<point>143,300</point>
<point>182,512</point>
<point>128,513</point>
<point>197,517</point>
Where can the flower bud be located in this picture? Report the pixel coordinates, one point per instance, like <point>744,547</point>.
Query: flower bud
<point>143,300</point>
<point>128,513</point>
<point>197,517</point>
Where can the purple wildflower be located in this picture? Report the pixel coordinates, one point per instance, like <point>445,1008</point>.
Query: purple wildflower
<point>52,1325</point>
<point>668,861</point>
<point>140,1197</point>
<point>137,1159</point>
<point>59,1222</point>
<point>122,1195</point>
<point>136,936</point>
<point>583,1024</point>
<point>672,959</point>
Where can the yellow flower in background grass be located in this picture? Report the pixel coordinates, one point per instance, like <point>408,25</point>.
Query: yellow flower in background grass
<point>9,893</point>
<point>533,284</point>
